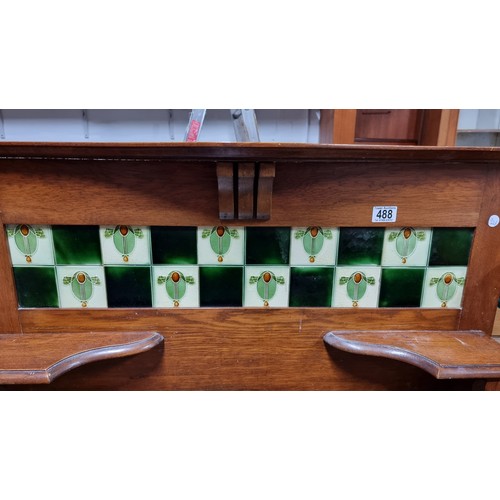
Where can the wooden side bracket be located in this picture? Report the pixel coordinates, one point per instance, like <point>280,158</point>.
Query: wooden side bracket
<point>245,190</point>
<point>40,358</point>
<point>453,354</point>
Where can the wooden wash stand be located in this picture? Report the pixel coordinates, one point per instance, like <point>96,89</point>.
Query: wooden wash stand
<point>50,192</point>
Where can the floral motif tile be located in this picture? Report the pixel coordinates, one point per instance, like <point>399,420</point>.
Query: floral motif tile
<point>221,245</point>
<point>313,246</point>
<point>356,286</point>
<point>81,286</point>
<point>226,266</point>
<point>176,286</point>
<point>30,245</point>
<point>125,244</point>
<point>406,246</point>
<point>443,287</point>
<point>266,286</point>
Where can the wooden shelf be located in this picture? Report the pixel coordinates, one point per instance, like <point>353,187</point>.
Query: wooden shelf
<point>443,354</point>
<point>40,358</point>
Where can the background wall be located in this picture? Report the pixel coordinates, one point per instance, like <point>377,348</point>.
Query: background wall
<point>162,125</point>
<point>478,127</point>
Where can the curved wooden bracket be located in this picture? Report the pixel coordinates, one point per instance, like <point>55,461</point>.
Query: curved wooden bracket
<point>40,358</point>
<point>245,190</point>
<point>443,354</point>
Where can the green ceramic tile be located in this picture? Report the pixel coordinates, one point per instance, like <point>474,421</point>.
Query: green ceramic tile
<point>176,286</point>
<point>401,287</point>
<point>360,246</point>
<point>443,287</point>
<point>313,246</point>
<point>311,287</point>
<point>36,286</point>
<point>125,245</point>
<point>356,286</point>
<point>77,245</point>
<point>221,245</point>
<point>30,245</point>
<point>221,286</point>
<point>450,246</point>
<point>406,246</point>
<point>128,286</point>
<point>81,286</point>
<point>174,245</point>
<point>266,286</point>
<point>267,245</point>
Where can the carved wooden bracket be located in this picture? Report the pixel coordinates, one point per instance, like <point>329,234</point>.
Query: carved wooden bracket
<point>245,190</point>
<point>40,358</point>
<point>443,354</point>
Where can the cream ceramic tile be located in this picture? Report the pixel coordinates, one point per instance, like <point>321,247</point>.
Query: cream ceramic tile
<point>356,286</point>
<point>30,245</point>
<point>406,247</point>
<point>81,286</point>
<point>266,286</point>
<point>221,245</point>
<point>176,286</point>
<point>313,246</point>
<point>443,287</point>
<point>125,244</point>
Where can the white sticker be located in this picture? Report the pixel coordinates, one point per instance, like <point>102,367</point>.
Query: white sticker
<point>493,221</point>
<point>384,214</point>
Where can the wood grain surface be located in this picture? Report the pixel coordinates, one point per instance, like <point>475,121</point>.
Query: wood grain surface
<point>250,349</point>
<point>39,359</point>
<point>161,193</point>
<point>444,354</point>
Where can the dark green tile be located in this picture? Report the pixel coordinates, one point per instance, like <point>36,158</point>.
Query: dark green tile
<point>401,287</point>
<point>77,244</point>
<point>128,286</point>
<point>36,286</point>
<point>450,246</point>
<point>311,287</point>
<point>267,245</point>
<point>221,286</point>
<point>174,245</point>
<point>360,246</point>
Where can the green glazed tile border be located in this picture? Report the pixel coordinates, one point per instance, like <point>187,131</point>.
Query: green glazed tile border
<point>232,266</point>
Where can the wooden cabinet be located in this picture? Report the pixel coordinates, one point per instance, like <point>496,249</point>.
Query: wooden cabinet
<point>404,127</point>
<point>248,266</point>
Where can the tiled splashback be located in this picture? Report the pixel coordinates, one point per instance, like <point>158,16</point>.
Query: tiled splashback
<point>129,266</point>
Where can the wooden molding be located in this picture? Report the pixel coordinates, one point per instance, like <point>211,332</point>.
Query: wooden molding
<point>267,171</point>
<point>9,314</point>
<point>225,181</point>
<point>245,190</point>
<point>40,358</point>
<point>443,354</point>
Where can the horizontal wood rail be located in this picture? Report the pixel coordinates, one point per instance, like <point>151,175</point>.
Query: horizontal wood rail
<point>443,354</point>
<point>40,358</point>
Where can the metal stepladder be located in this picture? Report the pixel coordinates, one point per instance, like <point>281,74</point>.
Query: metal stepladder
<point>244,188</point>
<point>244,122</point>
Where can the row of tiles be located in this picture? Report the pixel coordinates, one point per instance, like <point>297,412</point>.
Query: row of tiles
<point>221,245</point>
<point>237,286</point>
